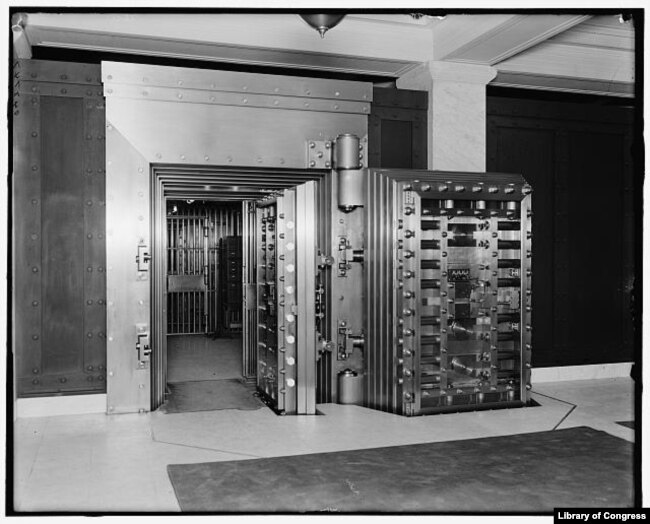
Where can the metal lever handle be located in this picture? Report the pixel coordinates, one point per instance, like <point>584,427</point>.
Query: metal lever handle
<point>142,346</point>
<point>142,258</point>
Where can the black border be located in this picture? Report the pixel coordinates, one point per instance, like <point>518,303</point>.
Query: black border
<point>638,155</point>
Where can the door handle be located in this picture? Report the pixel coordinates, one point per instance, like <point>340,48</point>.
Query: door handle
<point>142,258</point>
<point>143,343</point>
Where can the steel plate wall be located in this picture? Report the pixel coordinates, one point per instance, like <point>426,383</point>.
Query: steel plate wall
<point>197,118</point>
<point>59,217</point>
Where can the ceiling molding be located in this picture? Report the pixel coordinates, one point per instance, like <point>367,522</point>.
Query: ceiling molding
<point>352,37</point>
<point>564,84</point>
<point>512,36</point>
<point>568,61</point>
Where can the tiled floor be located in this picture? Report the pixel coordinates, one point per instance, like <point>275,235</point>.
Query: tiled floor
<point>118,463</point>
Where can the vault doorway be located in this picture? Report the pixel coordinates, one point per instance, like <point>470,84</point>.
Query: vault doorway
<point>203,272</point>
<point>204,290</point>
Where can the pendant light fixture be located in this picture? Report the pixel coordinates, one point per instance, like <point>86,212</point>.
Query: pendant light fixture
<point>322,22</point>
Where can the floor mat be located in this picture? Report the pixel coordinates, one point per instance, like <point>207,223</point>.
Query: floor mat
<point>626,423</point>
<point>533,472</point>
<point>210,395</point>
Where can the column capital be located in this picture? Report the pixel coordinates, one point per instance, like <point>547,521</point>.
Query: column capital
<point>462,73</point>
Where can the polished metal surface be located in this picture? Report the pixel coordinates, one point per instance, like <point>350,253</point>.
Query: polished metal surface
<point>351,188</point>
<point>188,137</point>
<point>454,280</point>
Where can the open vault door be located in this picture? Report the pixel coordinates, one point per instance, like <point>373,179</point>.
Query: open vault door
<point>286,266</point>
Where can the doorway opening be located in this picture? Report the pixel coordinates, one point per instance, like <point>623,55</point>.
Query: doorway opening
<point>204,290</point>
<point>203,273</point>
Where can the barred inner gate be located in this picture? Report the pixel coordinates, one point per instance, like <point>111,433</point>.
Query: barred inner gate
<point>203,268</point>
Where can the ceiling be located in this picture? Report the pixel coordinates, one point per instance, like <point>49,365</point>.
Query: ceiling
<point>563,52</point>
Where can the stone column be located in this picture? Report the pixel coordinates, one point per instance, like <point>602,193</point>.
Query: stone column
<point>457,112</point>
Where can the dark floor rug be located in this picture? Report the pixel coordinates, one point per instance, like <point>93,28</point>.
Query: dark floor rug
<point>626,423</point>
<point>210,395</point>
<point>532,472</point>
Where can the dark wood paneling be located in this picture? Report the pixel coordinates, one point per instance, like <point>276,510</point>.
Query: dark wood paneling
<point>62,222</point>
<point>535,148</point>
<point>595,249</point>
<point>59,229</point>
<point>397,129</point>
<point>578,159</point>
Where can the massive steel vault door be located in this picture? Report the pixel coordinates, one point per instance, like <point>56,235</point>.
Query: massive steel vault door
<point>452,330</point>
<point>286,303</point>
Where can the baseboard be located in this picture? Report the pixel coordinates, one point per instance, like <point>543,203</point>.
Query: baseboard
<point>590,372</point>
<point>64,405</point>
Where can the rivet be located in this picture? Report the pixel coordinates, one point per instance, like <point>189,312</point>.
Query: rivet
<point>336,106</point>
<point>89,79</point>
<point>245,88</point>
<point>259,160</point>
<point>109,90</point>
<point>337,94</point>
<point>88,137</point>
<point>35,303</point>
<point>229,159</point>
<point>64,77</point>
<point>140,170</point>
<point>63,380</point>
<point>89,203</point>
<point>33,236</point>
<point>34,202</point>
<point>206,158</point>
<point>100,302</point>
<point>212,99</point>
<point>89,379</point>
<point>140,218</point>
<point>34,269</point>
<point>34,134</point>
<point>110,340</point>
<point>33,75</point>
<point>111,408</point>
<point>64,91</point>
<point>89,269</point>
<point>158,155</point>
<point>35,371</point>
<point>100,269</point>
<point>89,302</point>
<point>34,167</point>
<point>33,90</point>
<point>141,386</point>
<point>276,102</point>
<point>179,95</point>
<point>89,235</point>
<point>306,104</point>
<point>277,89</point>
<point>35,337</point>
<point>110,77</point>
<point>282,161</point>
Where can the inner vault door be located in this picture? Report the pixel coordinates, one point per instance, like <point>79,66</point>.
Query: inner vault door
<point>286,295</point>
